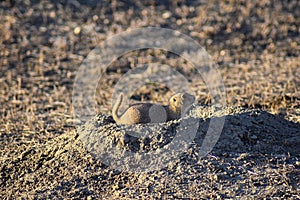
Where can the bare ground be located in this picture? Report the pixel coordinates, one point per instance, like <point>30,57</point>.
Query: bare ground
<point>256,45</point>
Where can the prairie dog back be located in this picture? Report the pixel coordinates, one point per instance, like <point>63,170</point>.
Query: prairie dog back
<point>142,113</point>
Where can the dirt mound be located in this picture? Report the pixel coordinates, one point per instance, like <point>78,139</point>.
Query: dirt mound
<point>244,131</point>
<point>63,167</point>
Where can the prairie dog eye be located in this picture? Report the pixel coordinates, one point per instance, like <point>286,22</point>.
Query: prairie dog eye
<point>174,99</point>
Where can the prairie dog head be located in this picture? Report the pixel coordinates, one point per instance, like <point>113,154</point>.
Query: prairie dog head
<point>181,101</point>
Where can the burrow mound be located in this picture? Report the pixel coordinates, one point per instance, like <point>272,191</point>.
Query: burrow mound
<point>149,145</point>
<point>63,168</point>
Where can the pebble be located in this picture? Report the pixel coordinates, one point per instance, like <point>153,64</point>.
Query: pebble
<point>77,30</point>
<point>253,137</point>
<point>166,15</point>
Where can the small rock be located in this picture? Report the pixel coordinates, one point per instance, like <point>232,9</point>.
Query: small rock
<point>253,137</point>
<point>52,14</point>
<point>77,30</point>
<point>89,198</point>
<point>166,15</point>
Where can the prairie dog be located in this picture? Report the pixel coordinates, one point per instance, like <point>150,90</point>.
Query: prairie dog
<point>142,113</point>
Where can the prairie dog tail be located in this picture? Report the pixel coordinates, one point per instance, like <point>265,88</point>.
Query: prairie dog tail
<point>116,108</point>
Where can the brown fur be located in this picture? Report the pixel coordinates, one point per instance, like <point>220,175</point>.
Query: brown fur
<point>142,113</point>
